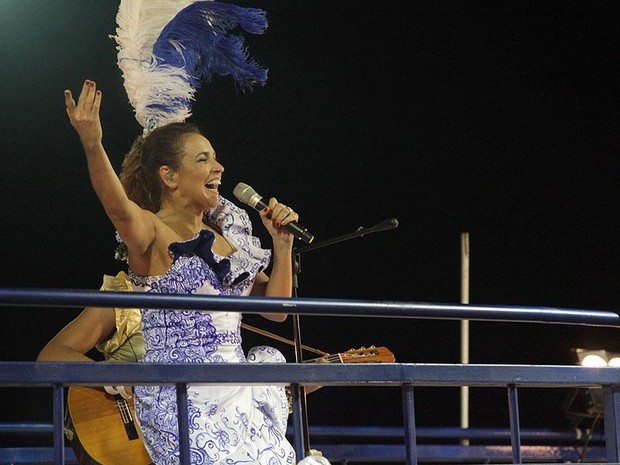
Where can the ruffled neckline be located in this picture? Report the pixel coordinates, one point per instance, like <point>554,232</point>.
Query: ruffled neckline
<point>245,262</point>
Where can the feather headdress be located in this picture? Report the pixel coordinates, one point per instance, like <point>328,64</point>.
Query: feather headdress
<point>166,48</point>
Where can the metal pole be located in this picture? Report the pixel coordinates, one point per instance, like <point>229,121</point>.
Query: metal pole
<point>611,414</point>
<point>515,429</point>
<point>409,423</point>
<point>300,405</point>
<point>183,417</point>
<point>59,418</point>
<point>465,330</point>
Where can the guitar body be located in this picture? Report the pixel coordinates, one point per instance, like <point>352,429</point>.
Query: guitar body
<point>103,429</point>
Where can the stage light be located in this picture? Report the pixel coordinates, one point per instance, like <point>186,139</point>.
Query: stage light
<point>614,362</point>
<point>593,360</point>
<point>597,358</point>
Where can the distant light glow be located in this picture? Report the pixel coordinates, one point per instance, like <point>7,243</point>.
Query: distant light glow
<point>598,358</point>
<point>614,362</point>
<point>593,361</point>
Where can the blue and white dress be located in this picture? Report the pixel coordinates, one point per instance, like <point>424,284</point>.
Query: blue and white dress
<point>227,424</point>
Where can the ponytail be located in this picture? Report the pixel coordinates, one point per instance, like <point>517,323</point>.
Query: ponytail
<point>137,184</point>
<point>140,171</point>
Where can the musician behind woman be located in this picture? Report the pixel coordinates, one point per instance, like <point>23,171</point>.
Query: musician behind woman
<point>115,332</point>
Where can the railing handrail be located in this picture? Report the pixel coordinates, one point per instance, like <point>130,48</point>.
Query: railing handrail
<point>328,307</point>
<point>367,374</point>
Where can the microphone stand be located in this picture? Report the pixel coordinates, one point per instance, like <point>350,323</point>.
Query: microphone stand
<point>300,415</point>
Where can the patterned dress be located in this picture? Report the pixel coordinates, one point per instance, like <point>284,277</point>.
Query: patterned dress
<point>227,424</point>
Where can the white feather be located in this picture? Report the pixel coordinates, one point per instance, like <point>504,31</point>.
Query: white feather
<point>139,23</point>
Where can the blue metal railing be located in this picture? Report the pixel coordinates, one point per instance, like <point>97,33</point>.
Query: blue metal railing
<point>304,306</point>
<point>407,376</point>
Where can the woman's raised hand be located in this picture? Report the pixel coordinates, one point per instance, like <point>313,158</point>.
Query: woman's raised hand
<point>84,116</point>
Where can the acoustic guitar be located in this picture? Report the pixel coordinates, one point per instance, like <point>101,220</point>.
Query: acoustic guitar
<point>102,428</point>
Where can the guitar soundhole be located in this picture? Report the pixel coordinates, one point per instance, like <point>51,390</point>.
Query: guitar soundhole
<point>127,418</point>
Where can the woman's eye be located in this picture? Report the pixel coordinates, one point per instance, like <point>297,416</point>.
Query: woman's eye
<point>207,157</point>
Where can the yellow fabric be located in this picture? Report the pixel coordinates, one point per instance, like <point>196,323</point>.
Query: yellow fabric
<point>126,344</point>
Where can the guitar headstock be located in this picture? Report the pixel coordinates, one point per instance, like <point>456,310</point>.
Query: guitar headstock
<point>370,354</point>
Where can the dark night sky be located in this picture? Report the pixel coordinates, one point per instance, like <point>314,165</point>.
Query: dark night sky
<point>495,118</point>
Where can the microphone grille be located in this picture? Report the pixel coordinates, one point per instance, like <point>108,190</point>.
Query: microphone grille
<point>243,192</point>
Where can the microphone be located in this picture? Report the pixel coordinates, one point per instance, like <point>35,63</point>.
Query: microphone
<point>386,225</point>
<point>247,195</point>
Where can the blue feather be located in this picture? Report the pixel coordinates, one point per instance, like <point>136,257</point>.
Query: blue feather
<point>199,41</point>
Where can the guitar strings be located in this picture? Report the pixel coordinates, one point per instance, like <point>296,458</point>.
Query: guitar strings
<point>123,408</point>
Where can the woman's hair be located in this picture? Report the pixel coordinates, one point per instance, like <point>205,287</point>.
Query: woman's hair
<point>140,171</point>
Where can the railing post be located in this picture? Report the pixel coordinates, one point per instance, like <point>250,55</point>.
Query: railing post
<point>515,430</point>
<point>409,422</point>
<point>611,416</point>
<point>300,430</point>
<point>184,451</point>
<point>59,424</point>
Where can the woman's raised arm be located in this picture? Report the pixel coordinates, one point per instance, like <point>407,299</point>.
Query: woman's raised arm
<point>134,224</point>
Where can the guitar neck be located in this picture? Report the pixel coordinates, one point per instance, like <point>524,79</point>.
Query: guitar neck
<point>363,355</point>
<point>330,358</point>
